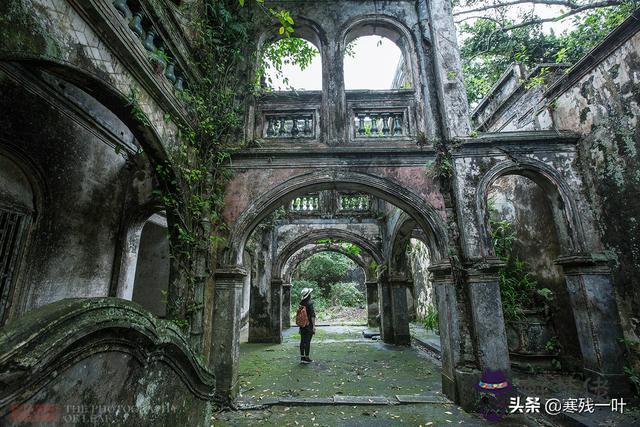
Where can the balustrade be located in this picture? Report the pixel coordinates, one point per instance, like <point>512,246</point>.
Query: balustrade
<point>289,126</point>
<point>354,202</point>
<point>305,204</point>
<point>379,124</point>
<point>162,61</point>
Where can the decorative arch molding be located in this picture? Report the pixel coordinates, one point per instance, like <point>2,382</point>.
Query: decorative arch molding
<point>384,25</point>
<point>425,215</point>
<point>325,233</point>
<point>403,231</point>
<point>46,348</point>
<point>102,90</point>
<point>563,204</point>
<point>306,29</point>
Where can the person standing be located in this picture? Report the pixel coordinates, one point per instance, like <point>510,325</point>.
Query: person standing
<point>306,320</point>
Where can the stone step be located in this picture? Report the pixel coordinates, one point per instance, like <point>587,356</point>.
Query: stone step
<point>401,399</point>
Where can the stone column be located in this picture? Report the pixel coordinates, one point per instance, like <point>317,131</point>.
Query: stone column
<point>595,312</point>
<point>372,305</point>
<point>487,319</point>
<point>446,304</point>
<point>436,15</point>
<point>400,310</point>
<point>227,308</point>
<point>286,305</point>
<point>276,311</point>
<point>334,104</point>
<point>384,308</point>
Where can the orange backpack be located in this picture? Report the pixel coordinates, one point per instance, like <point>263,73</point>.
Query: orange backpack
<point>302,319</point>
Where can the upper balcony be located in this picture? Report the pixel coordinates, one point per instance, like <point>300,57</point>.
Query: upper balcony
<point>368,97</point>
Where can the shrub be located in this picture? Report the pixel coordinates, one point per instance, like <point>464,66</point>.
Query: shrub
<point>346,295</point>
<point>430,320</point>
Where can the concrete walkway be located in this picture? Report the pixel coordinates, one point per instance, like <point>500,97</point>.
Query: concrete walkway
<point>352,381</point>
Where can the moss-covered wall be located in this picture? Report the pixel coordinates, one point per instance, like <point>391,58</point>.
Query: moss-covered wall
<point>604,106</point>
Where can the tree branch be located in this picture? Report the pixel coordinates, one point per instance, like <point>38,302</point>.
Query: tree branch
<point>607,3</point>
<point>566,3</point>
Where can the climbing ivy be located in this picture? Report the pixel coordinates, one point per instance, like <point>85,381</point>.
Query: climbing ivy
<point>197,169</point>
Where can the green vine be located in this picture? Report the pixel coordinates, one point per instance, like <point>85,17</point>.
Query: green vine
<point>197,169</point>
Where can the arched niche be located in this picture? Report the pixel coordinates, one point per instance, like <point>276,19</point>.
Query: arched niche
<point>20,198</point>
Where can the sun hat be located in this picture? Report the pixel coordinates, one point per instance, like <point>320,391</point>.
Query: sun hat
<point>306,292</point>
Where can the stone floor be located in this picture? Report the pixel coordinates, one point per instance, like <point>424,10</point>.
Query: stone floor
<point>348,370</point>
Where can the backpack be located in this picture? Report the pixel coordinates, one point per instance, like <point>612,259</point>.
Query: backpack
<point>302,318</point>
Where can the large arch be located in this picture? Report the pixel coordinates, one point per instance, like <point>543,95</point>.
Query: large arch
<point>326,233</point>
<point>568,222</point>
<point>425,215</point>
<point>310,250</point>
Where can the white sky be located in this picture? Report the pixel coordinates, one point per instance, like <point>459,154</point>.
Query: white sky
<point>372,67</point>
<point>374,64</point>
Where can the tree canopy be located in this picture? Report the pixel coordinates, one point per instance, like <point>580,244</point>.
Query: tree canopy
<point>496,33</point>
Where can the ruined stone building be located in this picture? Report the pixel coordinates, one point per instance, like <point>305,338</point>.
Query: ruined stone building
<point>84,255</point>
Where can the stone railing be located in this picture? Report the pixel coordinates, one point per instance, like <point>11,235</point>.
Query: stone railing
<point>381,115</point>
<point>288,116</point>
<point>354,202</point>
<point>309,203</point>
<point>289,125</point>
<point>141,21</point>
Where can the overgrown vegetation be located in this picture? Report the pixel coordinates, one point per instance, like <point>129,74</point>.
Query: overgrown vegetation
<point>493,37</point>
<point>324,269</point>
<point>431,321</point>
<point>194,176</point>
<point>518,290</point>
<point>334,297</point>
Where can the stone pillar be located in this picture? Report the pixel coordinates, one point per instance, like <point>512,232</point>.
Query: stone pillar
<point>227,308</point>
<point>487,319</point>
<point>446,304</point>
<point>372,305</point>
<point>384,308</point>
<point>436,15</point>
<point>334,104</point>
<point>286,305</point>
<point>276,311</point>
<point>400,310</point>
<point>595,312</point>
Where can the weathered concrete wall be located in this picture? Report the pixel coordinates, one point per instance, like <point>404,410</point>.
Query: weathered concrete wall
<point>604,105</point>
<point>598,98</point>
<point>261,247</point>
<point>83,183</point>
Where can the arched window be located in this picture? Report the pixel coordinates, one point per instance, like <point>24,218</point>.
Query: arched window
<point>375,63</point>
<point>291,64</point>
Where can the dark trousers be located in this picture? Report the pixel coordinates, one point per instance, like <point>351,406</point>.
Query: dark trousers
<point>305,342</point>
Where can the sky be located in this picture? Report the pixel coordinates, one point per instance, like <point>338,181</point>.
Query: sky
<point>376,58</point>
<point>372,67</point>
